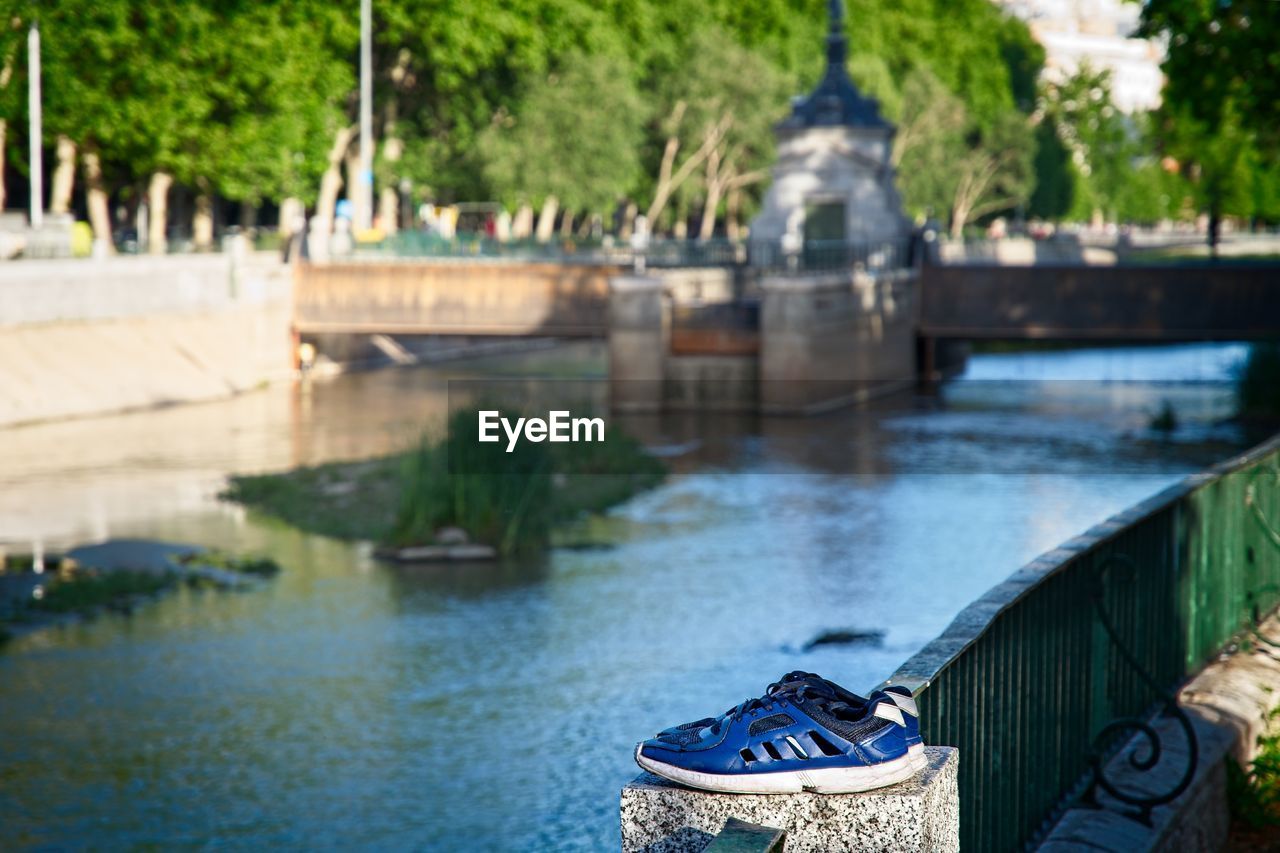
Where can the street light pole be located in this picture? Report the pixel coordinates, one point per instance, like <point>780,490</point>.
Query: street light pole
<point>364,192</point>
<point>36,131</point>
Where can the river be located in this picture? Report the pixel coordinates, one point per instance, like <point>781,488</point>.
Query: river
<point>352,703</point>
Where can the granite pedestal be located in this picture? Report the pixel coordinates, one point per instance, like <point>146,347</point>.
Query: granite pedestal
<point>920,814</point>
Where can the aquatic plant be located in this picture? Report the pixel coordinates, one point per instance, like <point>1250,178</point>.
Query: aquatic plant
<point>1166,420</point>
<point>510,501</point>
<point>500,498</point>
<point>263,567</point>
<point>346,500</point>
<point>1258,382</point>
<point>88,590</point>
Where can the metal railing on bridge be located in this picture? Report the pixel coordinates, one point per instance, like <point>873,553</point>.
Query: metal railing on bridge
<point>1045,676</point>
<point>819,256</point>
<point>771,256</point>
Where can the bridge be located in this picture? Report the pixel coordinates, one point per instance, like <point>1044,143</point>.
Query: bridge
<point>454,297</point>
<point>1190,302</point>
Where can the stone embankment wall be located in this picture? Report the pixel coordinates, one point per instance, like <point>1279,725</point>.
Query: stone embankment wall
<point>83,337</point>
<point>821,341</point>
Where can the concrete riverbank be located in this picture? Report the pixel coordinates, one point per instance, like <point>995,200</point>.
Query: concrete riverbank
<point>84,337</point>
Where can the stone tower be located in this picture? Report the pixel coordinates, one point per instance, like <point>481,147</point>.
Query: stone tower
<point>833,181</point>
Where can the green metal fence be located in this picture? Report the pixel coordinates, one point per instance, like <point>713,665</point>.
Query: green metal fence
<point>1026,676</point>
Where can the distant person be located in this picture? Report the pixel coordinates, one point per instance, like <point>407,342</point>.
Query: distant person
<point>295,243</point>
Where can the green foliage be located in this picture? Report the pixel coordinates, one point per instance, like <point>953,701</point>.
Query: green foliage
<point>509,100</point>
<point>1097,140</point>
<point>511,501</point>
<point>1223,159</point>
<point>1166,420</point>
<point>1151,193</point>
<point>347,500</point>
<point>576,137</point>
<point>242,98</point>
<point>263,567</point>
<point>952,162</point>
<point>721,88</point>
<point>1258,385</point>
<point>499,498</point>
<point>1220,115</point>
<point>965,44</point>
<point>932,124</point>
<point>1221,58</point>
<point>1054,194</point>
<point>1254,794</point>
<point>995,170</point>
<point>86,591</point>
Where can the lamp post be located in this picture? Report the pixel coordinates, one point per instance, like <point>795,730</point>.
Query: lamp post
<point>36,132</point>
<point>364,188</point>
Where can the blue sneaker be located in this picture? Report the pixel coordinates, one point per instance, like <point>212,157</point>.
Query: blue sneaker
<point>900,696</point>
<point>802,735</point>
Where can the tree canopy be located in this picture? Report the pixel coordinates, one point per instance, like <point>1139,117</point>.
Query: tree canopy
<point>669,103</point>
<point>1221,114</point>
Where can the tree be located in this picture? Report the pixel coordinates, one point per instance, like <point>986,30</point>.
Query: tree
<point>945,159</point>
<point>574,142</point>
<point>9,43</point>
<point>286,80</point>
<point>995,172</point>
<point>1222,159</point>
<point>1221,53</point>
<point>1221,111</point>
<point>930,145</point>
<point>717,112</point>
<point>958,84</point>
<point>465,62</point>
<point>1096,137</point>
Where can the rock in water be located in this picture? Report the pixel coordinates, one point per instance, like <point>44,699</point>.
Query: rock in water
<point>452,536</point>
<point>847,637</point>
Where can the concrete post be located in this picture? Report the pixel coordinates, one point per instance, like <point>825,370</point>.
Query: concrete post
<point>639,323</point>
<point>829,340</point>
<point>920,814</point>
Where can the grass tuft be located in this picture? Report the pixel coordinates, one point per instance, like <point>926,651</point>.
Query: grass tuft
<point>510,501</point>
<point>1254,794</point>
<point>263,567</point>
<point>87,591</point>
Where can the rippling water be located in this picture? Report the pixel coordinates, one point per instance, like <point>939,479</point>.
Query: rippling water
<point>469,707</point>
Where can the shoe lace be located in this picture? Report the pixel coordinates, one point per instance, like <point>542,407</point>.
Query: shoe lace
<point>794,687</point>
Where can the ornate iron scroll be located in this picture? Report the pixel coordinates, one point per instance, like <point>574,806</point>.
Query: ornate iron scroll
<point>1142,804</point>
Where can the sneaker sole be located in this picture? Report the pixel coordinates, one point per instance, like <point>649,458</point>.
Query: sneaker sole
<point>827,780</point>
<point>918,759</point>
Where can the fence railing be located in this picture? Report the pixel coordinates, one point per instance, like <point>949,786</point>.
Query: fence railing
<point>812,256</point>
<point>827,255</point>
<point>1027,676</point>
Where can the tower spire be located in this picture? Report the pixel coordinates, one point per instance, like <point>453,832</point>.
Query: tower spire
<point>837,44</point>
<point>836,101</point>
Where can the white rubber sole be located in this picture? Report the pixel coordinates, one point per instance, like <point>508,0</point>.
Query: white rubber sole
<point>916,754</point>
<point>827,780</point>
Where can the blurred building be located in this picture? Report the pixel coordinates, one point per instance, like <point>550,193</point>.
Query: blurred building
<point>1097,32</point>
